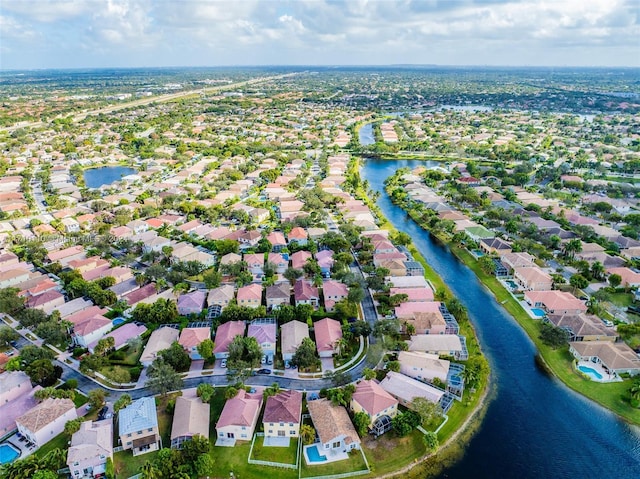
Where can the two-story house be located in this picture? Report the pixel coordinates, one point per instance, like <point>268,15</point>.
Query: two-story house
<point>138,427</point>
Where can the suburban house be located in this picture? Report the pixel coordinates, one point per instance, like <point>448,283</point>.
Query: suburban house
<point>13,384</point>
<point>423,366</point>
<point>333,292</point>
<point>333,426</point>
<point>264,330</point>
<point>630,279</point>
<point>278,243</point>
<point>532,278</point>
<point>90,330</point>
<point>328,332</point>
<point>255,263</point>
<point>440,344</point>
<point>325,261</point>
<point>282,412</point>
<point>277,295</point>
<point>555,302</point>
<point>190,418</point>
<point>221,296</point>
<point>374,401</point>
<point>428,322</point>
<point>224,335</point>
<point>291,336</point>
<point>46,420</point>
<point>90,448</point>
<point>190,339</point>
<point>615,358</point>
<point>191,303</point>
<point>297,235</point>
<point>122,334</point>
<point>305,293</point>
<point>159,340</point>
<point>582,327</point>
<point>299,259</point>
<point>414,295</point>
<point>138,427</point>
<point>46,301</point>
<point>405,389</point>
<point>494,245</point>
<point>238,418</point>
<point>279,261</point>
<point>250,295</point>
<point>515,260</point>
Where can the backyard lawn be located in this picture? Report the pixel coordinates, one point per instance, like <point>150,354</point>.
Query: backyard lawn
<point>353,464</point>
<point>283,455</point>
<point>388,453</point>
<point>126,465</point>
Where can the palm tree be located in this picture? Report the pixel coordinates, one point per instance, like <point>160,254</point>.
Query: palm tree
<point>149,471</point>
<point>572,247</point>
<point>597,270</point>
<point>635,390</point>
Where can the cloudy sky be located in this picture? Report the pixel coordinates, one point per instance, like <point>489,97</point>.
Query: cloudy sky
<point>130,33</point>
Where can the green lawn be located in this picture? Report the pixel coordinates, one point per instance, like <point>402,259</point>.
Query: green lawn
<point>61,441</point>
<point>388,453</point>
<point>80,399</point>
<point>283,455</point>
<point>621,299</point>
<point>353,464</point>
<point>126,465</point>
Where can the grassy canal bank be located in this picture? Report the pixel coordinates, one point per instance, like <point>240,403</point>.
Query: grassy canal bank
<point>559,362</point>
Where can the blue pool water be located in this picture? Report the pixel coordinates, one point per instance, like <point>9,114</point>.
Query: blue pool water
<point>512,284</point>
<point>118,321</point>
<point>7,453</point>
<point>478,253</point>
<point>590,372</point>
<point>314,455</point>
<point>538,312</point>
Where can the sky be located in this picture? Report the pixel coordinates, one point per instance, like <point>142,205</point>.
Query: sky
<point>149,33</point>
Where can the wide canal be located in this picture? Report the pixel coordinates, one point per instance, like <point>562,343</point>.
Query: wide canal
<point>535,427</point>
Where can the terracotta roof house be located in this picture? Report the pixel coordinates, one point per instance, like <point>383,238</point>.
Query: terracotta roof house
<point>325,260</point>
<point>63,256</point>
<point>140,294</point>
<point>46,420</point>
<point>224,335</point>
<point>276,238</point>
<point>238,418</point>
<point>555,302</point>
<point>90,448</point>
<point>408,281</point>
<point>277,295</point>
<point>159,340</point>
<point>297,235</point>
<point>291,336</point>
<point>630,279</point>
<point>264,330</point>
<point>191,303</point>
<point>405,389</point>
<point>423,366</point>
<point>494,245</point>
<point>582,327</point>
<point>299,258</point>
<point>13,384</point>
<point>230,258</point>
<point>333,291</point>
<point>122,334</point>
<point>282,413</point>
<point>615,358</point>
<point>516,260</point>
<point>428,322</point>
<point>370,398</point>
<point>90,330</point>
<point>221,296</point>
<point>138,426</point>
<point>408,310</point>
<point>396,267</point>
<point>255,263</point>
<point>305,293</point>
<point>190,418</point>
<point>279,261</point>
<point>46,301</point>
<point>333,426</point>
<point>190,339</point>
<point>327,331</point>
<point>250,295</point>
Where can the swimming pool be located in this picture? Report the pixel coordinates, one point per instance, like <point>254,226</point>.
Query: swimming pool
<point>590,372</point>
<point>118,321</point>
<point>478,253</point>
<point>512,284</point>
<point>313,455</point>
<point>8,453</point>
<point>538,312</point>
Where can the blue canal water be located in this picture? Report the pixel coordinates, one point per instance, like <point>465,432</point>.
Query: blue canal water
<point>535,427</point>
<point>96,177</point>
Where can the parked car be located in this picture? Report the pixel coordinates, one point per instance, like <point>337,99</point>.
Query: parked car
<point>263,371</point>
<point>223,363</point>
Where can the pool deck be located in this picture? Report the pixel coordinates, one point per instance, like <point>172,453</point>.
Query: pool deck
<point>331,455</point>
<point>606,377</point>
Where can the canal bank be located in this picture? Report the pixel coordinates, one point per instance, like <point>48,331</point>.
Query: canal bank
<point>535,427</point>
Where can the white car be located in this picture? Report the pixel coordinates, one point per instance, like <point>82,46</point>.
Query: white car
<point>223,363</point>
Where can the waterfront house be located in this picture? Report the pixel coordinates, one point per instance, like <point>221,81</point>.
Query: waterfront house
<point>494,245</point>
<point>555,302</point>
<point>46,420</point>
<point>375,402</point>
<point>291,336</point>
<point>91,447</point>
<point>423,366</point>
<point>532,278</point>
<point>615,358</point>
<point>238,418</point>
<point>190,418</point>
<point>440,344</point>
<point>406,389</point>
<point>138,427</point>
<point>333,426</point>
<point>282,412</point>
